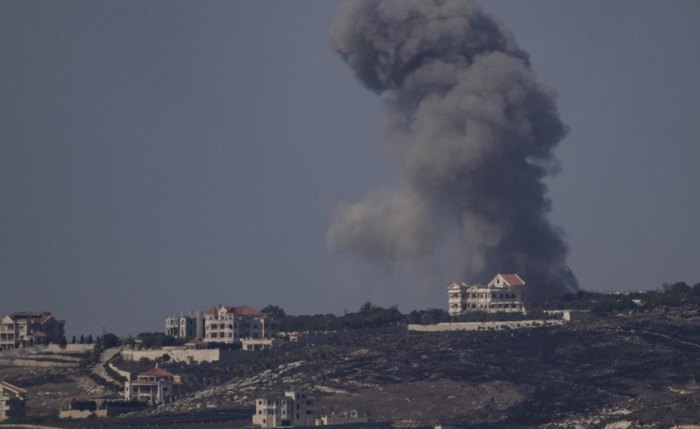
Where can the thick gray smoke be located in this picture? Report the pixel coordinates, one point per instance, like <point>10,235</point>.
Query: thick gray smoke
<point>473,133</point>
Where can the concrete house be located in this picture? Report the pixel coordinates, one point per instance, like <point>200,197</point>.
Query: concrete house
<point>292,409</point>
<point>155,386</point>
<point>12,401</point>
<point>185,326</point>
<point>229,325</point>
<point>503,294</point>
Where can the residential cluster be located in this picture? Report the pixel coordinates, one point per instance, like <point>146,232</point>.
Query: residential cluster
<point>27,329</point>
<point>296,409</point>
<point>291,409</point>
<point>503,294</point>
<point>223,325</point>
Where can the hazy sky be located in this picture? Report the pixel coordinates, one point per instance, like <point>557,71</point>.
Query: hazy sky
<point>158,157</point>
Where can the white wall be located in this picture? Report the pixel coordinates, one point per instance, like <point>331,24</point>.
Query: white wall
<point>474,326</point>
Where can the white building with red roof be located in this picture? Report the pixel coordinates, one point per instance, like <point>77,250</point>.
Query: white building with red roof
<point>503,294</point>
<point>29,328</point>
<point>230,324</point>
<point>155,386</point>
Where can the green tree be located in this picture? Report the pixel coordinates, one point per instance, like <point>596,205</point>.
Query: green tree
<point>366,307</point>
<point>274,311</point>
<point>696,289</point>
<point>155,339</point>
<point>110,340</point>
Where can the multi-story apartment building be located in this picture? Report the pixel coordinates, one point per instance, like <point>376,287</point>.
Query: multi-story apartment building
<point>503,294</point>
<point>185,326</point>
<point>292,409</point>
<point>230,325</point>
<point>20,329</point>
<point>12,401</point>
<point>155,386</point>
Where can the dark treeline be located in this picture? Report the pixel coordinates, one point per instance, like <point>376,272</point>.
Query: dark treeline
<point>670,294</point>
<point>371,316</point>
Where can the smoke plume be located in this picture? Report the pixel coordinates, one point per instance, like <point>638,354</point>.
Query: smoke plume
<point>473,133</point>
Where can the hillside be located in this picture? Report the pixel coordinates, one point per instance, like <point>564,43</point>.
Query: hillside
<point>642,368</point>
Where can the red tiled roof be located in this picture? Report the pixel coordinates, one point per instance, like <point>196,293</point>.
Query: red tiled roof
<point>513,280</point>
<point>156,372</point>
<point>245,310</point>
<point>212,311</point>
<point>152,383</point>
<point>195,341</point>
<point>39,334</point>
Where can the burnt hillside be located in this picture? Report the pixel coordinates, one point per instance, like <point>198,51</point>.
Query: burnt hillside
<point>521,377</point>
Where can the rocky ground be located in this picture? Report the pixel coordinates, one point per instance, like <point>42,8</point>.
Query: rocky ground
<point>48,387</point>
<point>632,370</point>
<point>637,368</point>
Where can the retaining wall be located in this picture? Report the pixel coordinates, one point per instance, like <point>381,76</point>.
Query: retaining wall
<point>480,326</point>
<point>125,374</point>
